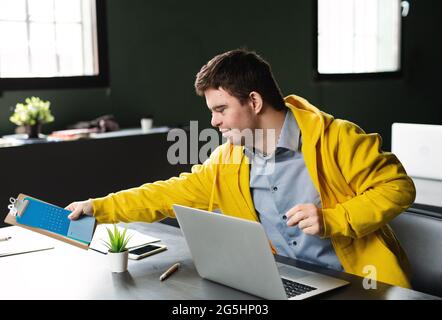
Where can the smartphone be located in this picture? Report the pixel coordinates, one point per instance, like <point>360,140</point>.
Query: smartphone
<point>144,251</point>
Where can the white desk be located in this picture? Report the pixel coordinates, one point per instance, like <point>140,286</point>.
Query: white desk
<point>68,272</point>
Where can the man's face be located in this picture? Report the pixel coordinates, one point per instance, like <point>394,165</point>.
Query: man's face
<point>232,119</point>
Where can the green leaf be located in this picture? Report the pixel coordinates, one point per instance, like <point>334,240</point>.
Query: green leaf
<point>117,240</point>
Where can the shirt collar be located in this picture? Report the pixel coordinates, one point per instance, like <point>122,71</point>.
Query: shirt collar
<point>289,138</point>
<point>290,135</point>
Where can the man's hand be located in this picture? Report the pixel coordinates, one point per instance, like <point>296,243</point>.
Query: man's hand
<point>78,208</point>
<point>308,218</point>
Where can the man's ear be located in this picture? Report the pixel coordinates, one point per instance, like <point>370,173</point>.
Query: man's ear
<point>256,101</point>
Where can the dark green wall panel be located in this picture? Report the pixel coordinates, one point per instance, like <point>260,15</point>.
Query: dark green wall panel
<point>156,48</point>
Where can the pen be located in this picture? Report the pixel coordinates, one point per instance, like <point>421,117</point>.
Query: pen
<point>169,271</point>
<point>5,239</point>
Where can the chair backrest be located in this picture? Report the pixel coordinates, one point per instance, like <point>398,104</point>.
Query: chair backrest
<point>421,237</point>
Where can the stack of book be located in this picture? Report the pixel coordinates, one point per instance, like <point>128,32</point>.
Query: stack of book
<point>73,134</point>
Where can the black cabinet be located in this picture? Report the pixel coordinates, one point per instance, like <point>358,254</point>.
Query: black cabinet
<point>62,172</point>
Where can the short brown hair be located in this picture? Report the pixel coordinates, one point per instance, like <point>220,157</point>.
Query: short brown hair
<point>240,72</point>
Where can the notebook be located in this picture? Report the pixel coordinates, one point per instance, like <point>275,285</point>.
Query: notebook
<point>22,241</point>
<point>51,220</point>
<point>137,239</point>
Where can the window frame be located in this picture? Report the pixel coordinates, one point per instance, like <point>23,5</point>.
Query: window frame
<point>100,80</point>
<point>353,76</point>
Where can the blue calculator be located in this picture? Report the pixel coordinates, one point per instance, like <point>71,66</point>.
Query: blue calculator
<point>49,217</point>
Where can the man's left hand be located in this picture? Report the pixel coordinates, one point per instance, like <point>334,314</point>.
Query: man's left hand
<point>308,218</point>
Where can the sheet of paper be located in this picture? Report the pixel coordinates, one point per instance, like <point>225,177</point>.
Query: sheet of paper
<point>137,239</point>
<point>22,241</point>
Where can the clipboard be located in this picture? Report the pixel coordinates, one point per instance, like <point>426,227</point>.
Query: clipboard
<point>47,219</point>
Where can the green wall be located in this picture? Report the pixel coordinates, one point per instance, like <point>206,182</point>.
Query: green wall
<point>156,48</point>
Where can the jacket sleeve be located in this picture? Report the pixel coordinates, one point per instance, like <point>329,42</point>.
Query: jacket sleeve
<point>153,201</point>
<point>382,189</point>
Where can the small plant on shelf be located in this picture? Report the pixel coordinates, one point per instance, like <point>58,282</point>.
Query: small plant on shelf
<point>32,115</point>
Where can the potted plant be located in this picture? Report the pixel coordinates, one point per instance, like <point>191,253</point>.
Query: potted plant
<point>32,115</point>
<point>118,253</point>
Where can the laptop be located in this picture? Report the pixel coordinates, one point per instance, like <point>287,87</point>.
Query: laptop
<point>418,148</point>
<point>236,253</point>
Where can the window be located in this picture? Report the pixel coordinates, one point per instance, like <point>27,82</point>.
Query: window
<point>358,37</point>
<point>52,43</point>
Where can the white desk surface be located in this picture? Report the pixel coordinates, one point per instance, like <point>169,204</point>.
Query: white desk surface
<point>67,272</point>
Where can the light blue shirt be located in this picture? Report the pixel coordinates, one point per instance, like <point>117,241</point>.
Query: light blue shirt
<point>280,181</point>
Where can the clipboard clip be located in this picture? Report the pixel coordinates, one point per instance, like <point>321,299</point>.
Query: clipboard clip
<point>16,206</point>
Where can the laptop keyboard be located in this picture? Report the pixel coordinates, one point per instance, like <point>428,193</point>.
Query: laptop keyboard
<point>293,288</point>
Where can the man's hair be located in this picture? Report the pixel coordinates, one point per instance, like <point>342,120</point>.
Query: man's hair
<point>240,72</point>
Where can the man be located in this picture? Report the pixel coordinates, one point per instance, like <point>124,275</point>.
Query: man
<point>322,188</point>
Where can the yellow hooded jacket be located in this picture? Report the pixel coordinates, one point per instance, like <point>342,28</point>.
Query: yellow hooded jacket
<point>361,188</point>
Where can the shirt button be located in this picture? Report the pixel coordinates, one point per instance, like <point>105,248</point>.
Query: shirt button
<point>284,217</point>
<point>275,188</point>
<point>294,243</point>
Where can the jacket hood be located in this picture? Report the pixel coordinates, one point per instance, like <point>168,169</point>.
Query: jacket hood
<point>310,119</point>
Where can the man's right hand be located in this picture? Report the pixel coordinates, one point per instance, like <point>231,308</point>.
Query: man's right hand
<point>78,208</point>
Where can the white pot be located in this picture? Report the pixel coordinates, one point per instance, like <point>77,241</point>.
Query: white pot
<point>118,261</point>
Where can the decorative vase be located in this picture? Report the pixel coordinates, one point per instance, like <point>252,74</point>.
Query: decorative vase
<point>33,131</point>
<point>118,260</point>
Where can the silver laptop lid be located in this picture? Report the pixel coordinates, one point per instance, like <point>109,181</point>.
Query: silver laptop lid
<point>231,251</point>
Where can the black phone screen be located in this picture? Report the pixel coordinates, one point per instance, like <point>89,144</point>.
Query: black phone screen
<point>142,250</point>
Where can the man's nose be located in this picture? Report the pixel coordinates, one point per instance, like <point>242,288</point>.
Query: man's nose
<point>215,122</point>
